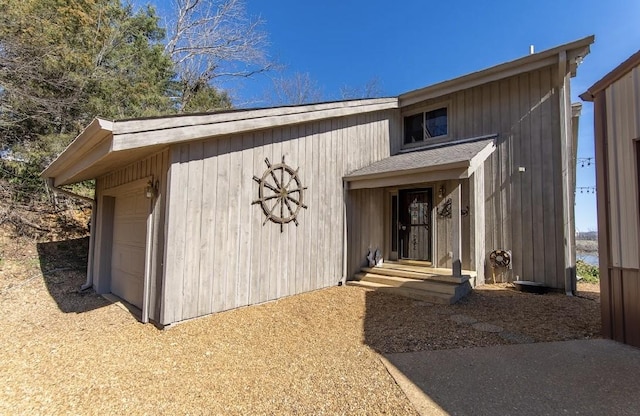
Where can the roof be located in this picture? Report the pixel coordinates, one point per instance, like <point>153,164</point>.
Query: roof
<point>106,145</point>
<point>575,52</point>
<point>450,161</point>
<point>617,73</point>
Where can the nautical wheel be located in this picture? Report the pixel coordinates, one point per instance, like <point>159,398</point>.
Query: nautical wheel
<point>280,193</point>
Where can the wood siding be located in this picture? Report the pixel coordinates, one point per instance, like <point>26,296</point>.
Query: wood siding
<point>365,221</point>
<point>623,129</point>
<point>617,131</point>
<point>442,226</point>
<point>219,255</point>
<point>523,211</point>
<point>155,166</point>
<point>620,303</point>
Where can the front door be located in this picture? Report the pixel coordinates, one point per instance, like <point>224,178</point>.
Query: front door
<point>414,228</point>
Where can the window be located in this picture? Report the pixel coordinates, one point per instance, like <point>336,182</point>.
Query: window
<point>424,126</point>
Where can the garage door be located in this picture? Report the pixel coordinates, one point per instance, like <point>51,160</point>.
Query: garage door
<point>129,238</point>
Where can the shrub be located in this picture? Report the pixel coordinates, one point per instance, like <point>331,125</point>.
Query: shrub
<point>588,272</point>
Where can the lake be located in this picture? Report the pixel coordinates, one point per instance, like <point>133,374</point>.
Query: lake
<point>590,258</point>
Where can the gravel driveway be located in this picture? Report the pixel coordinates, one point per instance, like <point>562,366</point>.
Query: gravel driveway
<point>316,353</point>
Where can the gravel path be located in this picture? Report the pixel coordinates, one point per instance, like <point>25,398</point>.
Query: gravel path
<point>315,353</point>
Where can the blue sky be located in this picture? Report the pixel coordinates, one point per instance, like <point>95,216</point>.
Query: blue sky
<point>411,44</point>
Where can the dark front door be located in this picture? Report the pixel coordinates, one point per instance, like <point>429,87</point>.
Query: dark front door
<point>414,228</point>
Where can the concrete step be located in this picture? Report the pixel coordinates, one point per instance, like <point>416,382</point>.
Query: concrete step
<point>391,270</point>
<point>396,281</point>
<point>417,294</point>
<point>403,265</point>
<point>419,263</point>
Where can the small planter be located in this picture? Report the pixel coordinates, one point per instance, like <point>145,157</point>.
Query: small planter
<point>530,287</point>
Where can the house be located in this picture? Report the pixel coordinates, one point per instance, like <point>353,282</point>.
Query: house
<point>616,99</point>
<point>202,213</point>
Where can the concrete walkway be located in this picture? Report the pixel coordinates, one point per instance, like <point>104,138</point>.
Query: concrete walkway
<point>586,377</point>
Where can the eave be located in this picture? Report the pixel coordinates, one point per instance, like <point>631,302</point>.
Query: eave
<point>575,52</point>
<point>613,76</point>
<point>170,130</point>
<point>93,144</point>
<point>450,162</point>
<point>104,145</point>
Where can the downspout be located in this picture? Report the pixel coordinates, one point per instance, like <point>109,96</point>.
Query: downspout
<point>89,282</point>
<point>345,187</point>
<point>151,193</point>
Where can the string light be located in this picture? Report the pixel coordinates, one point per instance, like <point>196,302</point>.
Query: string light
<point>586,189</point>
<point>585,161</point>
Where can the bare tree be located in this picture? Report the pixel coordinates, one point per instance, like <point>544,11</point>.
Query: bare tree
<point>209,39</point>
<point>298,89</point>
<point>371,89</point>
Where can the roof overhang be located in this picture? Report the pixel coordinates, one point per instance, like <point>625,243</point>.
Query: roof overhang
<point>90,147</point>
<point>617,73</point>
<point>453,161</point>
<point>575,52</point>
<point>105,145</point>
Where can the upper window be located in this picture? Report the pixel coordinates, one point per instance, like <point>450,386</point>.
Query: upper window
<point>424,126</point>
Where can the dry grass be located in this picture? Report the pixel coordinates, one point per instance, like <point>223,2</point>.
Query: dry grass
<point>64,352</point>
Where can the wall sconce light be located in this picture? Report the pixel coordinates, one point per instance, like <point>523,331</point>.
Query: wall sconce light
<point>151,190</point>
<point>442,191</point>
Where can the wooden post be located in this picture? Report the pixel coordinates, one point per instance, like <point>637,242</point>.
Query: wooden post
<point>456,234</point>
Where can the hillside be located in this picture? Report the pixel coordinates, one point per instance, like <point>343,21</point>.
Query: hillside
<point>37,238</point>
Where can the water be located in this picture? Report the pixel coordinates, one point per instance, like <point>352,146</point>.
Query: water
<point>589,258</point>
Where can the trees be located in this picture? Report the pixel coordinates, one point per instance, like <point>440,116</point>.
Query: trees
<point>300,88</point>
<point>62,63</point>
<point>209,39</point>
<point>297,89</point>
<point>370,89</point>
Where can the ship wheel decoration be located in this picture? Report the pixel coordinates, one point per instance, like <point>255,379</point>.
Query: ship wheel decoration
<point>280,193</point>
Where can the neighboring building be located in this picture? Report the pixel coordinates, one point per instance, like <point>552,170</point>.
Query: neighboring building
<point>206,212</point>
<point>616,99</point>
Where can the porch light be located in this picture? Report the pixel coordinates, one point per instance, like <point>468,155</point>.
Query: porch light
<point>151,190</point>
<point>442,191</point>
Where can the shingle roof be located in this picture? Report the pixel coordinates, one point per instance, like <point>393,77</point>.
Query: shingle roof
<point>453,155</point>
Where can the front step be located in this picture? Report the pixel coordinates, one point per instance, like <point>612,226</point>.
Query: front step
<point>413,281</point>
<point>406,292</point>
<point>398,281</point>
<point>388,271</point>
<point>431,271</point>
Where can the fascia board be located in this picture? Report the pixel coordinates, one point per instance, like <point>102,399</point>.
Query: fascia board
<point>161,123</point>
<point>92,136</point>
<point>505,70</point>
<point>447,166</point>
<point>198,132</point>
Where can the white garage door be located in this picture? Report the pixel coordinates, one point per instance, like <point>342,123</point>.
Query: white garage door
<point>129,238</point>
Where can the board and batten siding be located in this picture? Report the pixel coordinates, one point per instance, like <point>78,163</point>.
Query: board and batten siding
<point>219,255</point>
<point>366,221</point>
<point>155,166</point>
<point>443,226</point>
<point>523,210</point>
<point>617,133</point>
